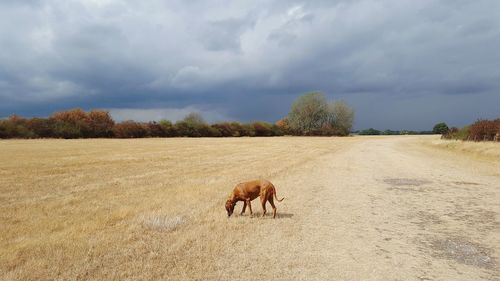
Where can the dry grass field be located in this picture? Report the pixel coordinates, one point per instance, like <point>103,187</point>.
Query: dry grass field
<point>358,208</point>
<point>481,150</point>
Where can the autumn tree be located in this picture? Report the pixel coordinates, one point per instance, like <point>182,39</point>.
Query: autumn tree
<point>100,124</point>
<point>74,123</point>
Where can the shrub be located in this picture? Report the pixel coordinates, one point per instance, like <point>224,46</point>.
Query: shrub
<point>247,130</point>
<point>100,124</point>
<point>168,128</point>
<point>41,127</point>
<point>440,128</point>
<point>326,130</point>
<point>15,127</point>
<point>129,129</point>
<point>229,129</point>
<point>3,130</point>
<point>276,131</point>
<point>482,130</point>
<point>154,129</point>
<point>284,126</point>
<point>185,129</point>
<point>238,129</point>
<point>205,130</point>
<point>370,131</point>
<point>225,129</point>
<point>194,118</point>
<point>66,130</point>
<point>74,123</point>
<point>193,125</point>
<point>390,132</point>
<point>262,129</point>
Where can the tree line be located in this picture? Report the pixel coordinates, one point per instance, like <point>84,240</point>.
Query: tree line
<point>77,123</point>
<point>375,132</point>
<point>481,130</point>
<point>311,114</point>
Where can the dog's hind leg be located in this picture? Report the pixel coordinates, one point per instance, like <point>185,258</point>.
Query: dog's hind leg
<point>271,201</point>
<point>244,207</point>
<point>263,201</point>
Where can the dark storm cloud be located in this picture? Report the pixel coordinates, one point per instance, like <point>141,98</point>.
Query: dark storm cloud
<point>401,64</point>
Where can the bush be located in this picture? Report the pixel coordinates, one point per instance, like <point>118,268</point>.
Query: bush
<point>227,129</point>
<point>74,123</point>
<point>247,130</point>
<point>238,129</point>
<point>65,130</point>
<point>194,118</point>
<point>390,133</point>
<point>168,128</point>
<point>154,130</point>
<point>205,130</point>
<point>3,130</point>
<point>262,129</point>
<point>100,124</point>
<point>185,129</point>
<point>194,126</point>
<point>129,129</point>
<point>484,130</point>
<point>440,128</point>
<point>15,127</point>
<point>41,127</point>
<point>370,131</point>
<point>284,126</point>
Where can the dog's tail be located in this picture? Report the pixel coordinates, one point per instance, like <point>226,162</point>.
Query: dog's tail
<point>276,197</point>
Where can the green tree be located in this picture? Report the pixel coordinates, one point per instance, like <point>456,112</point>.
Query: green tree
<point>168,128</point>
<point>194,118</point>
<point>370,131</point>
<point>193,125</point>
<point>308,114</point>
<point>440,128</point>
<point>340,118</point>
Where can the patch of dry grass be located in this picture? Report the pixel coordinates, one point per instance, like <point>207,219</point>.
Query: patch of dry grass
<point>161,222</point>
<point>130,209</point>
<point>487,150</point>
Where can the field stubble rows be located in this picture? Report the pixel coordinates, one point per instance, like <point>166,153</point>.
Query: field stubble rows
<point>355,209</point>
<point>85,207</point>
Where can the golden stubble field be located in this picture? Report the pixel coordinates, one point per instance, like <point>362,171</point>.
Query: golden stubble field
<point>110,208</point>
<point>153,209</point>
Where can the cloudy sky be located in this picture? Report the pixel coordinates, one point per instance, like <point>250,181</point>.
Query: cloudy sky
<point>399,63</point>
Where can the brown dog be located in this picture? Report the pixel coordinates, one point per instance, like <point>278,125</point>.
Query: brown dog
<point>248,191</point>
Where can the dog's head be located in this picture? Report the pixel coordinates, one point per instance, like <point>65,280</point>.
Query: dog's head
<point>230,207</point>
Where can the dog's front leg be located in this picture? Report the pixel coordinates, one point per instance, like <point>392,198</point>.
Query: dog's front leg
<point>249,206</point>
<point>244,207</point>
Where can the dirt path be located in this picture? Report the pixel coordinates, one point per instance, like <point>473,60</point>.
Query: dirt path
<point>382,209</point>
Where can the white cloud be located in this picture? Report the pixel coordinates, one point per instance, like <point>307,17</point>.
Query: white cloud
<point>220,54</point>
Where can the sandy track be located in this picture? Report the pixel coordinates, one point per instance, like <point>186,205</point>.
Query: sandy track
<point>363,208</point>
<point>383,209</point>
